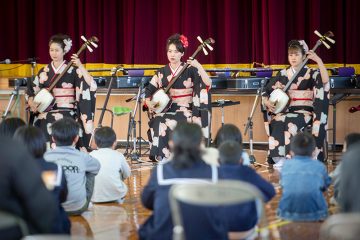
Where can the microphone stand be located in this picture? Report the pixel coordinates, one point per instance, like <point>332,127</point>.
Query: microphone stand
<point>249,125</point>
<point>14,93</point>
<point>104,108</point>
<point>134,154</point>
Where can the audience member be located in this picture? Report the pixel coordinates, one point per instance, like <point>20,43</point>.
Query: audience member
<point>34,140</point>
<point>349,200</point>
<point>242,218</point>
<point>303,181</point>
<point>79,167</point>
<point>23,192</point>
<point>109,185</point>
<point>350,140</point>
<point>186,166</point>
<point>226,133</point>
<point>8,126</point>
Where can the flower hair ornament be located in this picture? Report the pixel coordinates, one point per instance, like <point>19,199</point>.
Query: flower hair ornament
<point>304,45</point>
<point>68,44</point>
<point>184,41</point>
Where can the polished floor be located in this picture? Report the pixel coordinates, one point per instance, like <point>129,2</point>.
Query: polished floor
<point>121,221</point>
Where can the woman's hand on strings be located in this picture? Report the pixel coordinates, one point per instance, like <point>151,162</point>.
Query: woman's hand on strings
<point>313,56</point>
<point>76,60</point>
<point>193,62</point>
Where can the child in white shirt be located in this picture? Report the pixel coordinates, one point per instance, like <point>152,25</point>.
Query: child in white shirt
<point>109,185</point>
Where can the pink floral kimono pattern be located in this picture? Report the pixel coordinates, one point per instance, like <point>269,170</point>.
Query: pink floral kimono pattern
<point>307,111</point>
<point>73,98</point>
<point>190,99</point>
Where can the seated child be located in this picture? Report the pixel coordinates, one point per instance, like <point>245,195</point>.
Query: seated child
<point>35,141</point>
<point>8,126</point>
<point>109,185</point>
<point>226,133</point>
<point>349,200</point>
<point>244,217</point>
<point>303,181</point>
<point>79,167</point>
<point>23,193</point>
<point>350,140</point>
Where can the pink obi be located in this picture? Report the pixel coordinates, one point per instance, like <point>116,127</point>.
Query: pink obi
<point>64,97</point>
<point>301,98</point>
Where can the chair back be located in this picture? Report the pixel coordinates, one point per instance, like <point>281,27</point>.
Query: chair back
<point>55,237</point>
<point>222,193</point>
<point>8,220</point>
<point>345,226</point>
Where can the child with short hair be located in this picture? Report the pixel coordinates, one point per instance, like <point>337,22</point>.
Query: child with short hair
<point>303,181</point>
<point>241,218</point>
<point>79,167</point>
<point>226,133</point>
<point>109,185</point>
<point>35,141</point>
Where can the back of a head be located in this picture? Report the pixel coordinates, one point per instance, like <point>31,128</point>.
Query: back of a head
<point>9,125</point>
<point>226,133</point>
<point>186,138</point>
<point>64,131</point>
<point>230,152</point>
<point>33,139</point>
<point>350,177</point>
<point>303,144</point>
<point>352,139</point>
<point>104,137</point>
<point>13,153</point>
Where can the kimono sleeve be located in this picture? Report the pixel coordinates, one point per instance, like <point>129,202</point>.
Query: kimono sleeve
<point>321,104</point>
<point>33,85</point>
<point>201,102</point>
<point>320,113</point>
<point>85,102</point>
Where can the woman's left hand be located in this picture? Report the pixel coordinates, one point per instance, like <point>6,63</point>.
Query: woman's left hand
<point>75,60</point>
<point>193,62</point>
<point>313,56</point>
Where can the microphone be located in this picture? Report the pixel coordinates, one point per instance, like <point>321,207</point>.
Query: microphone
<point>29,60</point>
<point>6,61</point>
<point>33,59</point>
<point>354,109</point>
<point>144,81</point>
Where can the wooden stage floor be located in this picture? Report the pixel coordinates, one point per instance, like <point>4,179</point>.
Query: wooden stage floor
<point>121,221</point>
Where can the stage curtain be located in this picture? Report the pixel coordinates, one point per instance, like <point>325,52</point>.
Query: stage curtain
<point>135,31</point>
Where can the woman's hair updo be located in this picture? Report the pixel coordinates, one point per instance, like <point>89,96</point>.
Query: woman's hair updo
<point>180,42</point>
<point>298,45</point>
<point>63,40</point>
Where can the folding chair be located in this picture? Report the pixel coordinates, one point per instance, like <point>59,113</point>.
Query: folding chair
<point>222,193</point>
<point>8,220</point>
